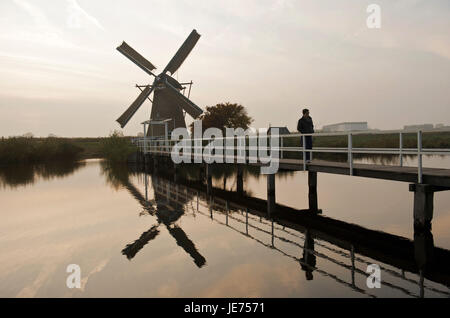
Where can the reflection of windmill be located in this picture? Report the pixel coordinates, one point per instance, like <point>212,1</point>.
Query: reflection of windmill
<point>168,101</point>
<point>166,213</point>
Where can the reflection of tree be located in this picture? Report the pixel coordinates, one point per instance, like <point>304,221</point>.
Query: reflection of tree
<point>116,174</point>
<point>25,174</point>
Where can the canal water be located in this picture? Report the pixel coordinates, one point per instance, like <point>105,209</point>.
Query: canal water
<point>136,234</point>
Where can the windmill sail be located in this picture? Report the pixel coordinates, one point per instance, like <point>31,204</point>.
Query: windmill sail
<point>182,52</point>
<point>136,58</point>
<point>126,116</point>
<point>179,99</point>
<point>186,244</point>
<point>132,249</point>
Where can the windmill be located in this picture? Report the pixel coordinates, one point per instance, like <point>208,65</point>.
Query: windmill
<point>168,101</point>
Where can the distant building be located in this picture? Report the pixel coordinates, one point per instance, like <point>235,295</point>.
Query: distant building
<point>418,127</point>
<point>347,126</point>
<point>281,130</point>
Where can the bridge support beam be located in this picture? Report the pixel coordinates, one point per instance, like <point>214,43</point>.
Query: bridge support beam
<point>270,194</point>
<point>240,180</point>
<point>423,204</point>
<point>312,193</point>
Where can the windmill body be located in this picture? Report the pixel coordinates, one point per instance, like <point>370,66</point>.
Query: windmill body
<point>169,103</point>
<point>164,107</point>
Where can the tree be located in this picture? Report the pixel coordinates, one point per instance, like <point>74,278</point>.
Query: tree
<point>224,115</point>
<point>116,147</point>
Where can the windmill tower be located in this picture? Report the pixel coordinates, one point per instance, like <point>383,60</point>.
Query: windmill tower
<point>168,101</point>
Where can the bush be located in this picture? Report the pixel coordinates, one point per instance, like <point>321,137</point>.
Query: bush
<point>117,148</point>
<point>36,150</point>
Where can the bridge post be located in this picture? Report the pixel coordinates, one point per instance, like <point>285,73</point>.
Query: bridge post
<point>208,169</point>
<point>270,194</point>
<point>423,204</point>
<point>155,162</point>
<point>423,248</point>
<point>175,172</point>
<point>239,180</point>
<point>312,193</point>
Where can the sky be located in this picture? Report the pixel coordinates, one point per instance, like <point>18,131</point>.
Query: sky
<point>61,74</point>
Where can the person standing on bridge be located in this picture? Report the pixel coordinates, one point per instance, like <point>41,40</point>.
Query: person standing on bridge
<point>305,126</point>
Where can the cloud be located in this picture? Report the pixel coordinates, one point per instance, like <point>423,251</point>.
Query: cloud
<point>77,14</point>
<point>43,31</point>
<point>40,19</point>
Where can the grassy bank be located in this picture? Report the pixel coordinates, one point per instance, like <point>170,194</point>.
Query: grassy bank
<point>37,150</point>
<point>30,150</point>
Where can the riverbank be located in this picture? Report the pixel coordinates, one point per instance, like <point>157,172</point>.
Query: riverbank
<point>25,150</point>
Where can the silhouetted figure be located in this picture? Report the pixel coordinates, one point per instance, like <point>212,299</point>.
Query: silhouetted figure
<point>305,126</point>
<point>308,261</point>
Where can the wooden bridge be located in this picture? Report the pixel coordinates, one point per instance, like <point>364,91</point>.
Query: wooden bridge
<point>424,181</point>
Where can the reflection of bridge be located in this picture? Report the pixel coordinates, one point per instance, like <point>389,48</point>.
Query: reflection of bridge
<point>317,236</point>
<point>424,181</point>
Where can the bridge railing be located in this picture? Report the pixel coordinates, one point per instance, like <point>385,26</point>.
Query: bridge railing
<point>245,147</point>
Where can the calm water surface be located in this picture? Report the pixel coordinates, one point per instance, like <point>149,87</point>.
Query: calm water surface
<point>138,235</point>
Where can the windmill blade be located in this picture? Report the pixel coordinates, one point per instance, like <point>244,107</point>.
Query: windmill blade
<point>132,249</point>
<point>146,204</point>
<point>126,116</point>
<point>182,52</point>
<point>186,244</point>
<point>179,99</point>
<point>136,58</point>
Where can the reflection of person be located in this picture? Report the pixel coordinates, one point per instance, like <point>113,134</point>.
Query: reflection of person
<point>308,261</point>
<point>305,126</point>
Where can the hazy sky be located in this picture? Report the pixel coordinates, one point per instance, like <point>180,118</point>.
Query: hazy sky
<point>61,74</point>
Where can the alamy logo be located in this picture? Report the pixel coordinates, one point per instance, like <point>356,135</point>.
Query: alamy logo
<point>374,19</point>
<point>74,279</point>
<point>233,148</point>
<point>374,279</point>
